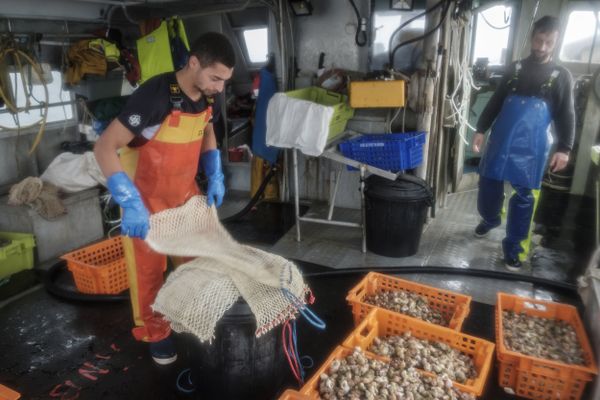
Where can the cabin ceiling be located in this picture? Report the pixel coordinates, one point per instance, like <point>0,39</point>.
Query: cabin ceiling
<point>96,10</point>
<point>172,6</point>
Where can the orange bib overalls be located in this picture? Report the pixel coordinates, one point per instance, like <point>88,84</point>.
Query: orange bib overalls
<point>164,171</point>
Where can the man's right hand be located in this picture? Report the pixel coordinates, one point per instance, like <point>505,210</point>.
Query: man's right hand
<point>478,140</point>
<point>136,219</point>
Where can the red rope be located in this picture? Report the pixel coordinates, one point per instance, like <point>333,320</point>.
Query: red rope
<point>288,349</point>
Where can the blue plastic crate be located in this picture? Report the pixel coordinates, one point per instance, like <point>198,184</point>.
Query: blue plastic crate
<point>393,151</point>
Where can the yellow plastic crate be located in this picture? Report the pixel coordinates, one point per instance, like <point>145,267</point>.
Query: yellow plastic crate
<point>341,111</point>
<point>377,94</point>
<point>18,255</point>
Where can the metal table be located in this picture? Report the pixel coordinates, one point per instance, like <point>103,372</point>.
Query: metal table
<point>331,152</point>
<point>595,157</point>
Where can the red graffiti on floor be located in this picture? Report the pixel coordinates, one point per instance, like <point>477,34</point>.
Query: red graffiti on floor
<point>66,391</point>
<point>88,371</point>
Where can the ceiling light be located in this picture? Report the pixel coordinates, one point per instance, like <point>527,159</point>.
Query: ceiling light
<point>301,8</point>
<point>404,5</point>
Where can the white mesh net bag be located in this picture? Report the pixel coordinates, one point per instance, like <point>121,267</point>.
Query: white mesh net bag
<point>198,293</point>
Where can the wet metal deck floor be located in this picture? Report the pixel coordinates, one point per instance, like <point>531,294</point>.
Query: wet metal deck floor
<point>65,350</point>
<point>447,241</point>
<point>55,347</point>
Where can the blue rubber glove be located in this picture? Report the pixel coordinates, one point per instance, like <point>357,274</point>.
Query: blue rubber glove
<point>135,221</point>
<point>211,164</point>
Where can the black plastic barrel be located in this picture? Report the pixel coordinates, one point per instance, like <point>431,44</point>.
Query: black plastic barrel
<point>395,214</point>
<point>237,364</point>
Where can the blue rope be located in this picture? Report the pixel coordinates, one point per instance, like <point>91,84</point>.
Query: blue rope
<point>310,316</point>
<point>181,388</point>
<point>312,319</point>
<point>310,362</point>
<point>295,349</point>
<point>296,354</point>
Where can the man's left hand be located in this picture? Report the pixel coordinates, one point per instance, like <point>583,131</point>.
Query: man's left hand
<point>215,191</point>
<point>559,161</point>
<point>211,163</point>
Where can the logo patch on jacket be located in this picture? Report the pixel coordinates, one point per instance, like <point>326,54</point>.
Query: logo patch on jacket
<point>134,120</point>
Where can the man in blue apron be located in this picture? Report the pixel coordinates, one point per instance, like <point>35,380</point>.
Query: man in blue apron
<point>534,92</point>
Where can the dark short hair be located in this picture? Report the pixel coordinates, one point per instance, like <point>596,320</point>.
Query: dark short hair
<point>211,48</point>
<point>545,24</point>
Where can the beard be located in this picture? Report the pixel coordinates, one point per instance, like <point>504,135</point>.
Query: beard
<point>540,56</point>
<point>207,92</point>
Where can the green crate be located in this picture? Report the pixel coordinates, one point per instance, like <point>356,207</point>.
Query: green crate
<point>17,255</point>
<point>342,111</point>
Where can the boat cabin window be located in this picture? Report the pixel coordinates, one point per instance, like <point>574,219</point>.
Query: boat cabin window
<point>578,39</point>
<point>492,34</point>
<point>385,24</point>
<point>256,41</point>
<point>60,101</point>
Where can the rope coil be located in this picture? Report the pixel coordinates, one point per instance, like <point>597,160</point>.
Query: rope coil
<point>8,47</point>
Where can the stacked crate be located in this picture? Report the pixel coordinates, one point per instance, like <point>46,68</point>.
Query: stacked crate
<point>373,322</point>
<point>520,374</point>
<point>537,378</point>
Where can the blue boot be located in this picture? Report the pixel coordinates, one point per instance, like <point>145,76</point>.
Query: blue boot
<point>518,222</point>
<point>489,204</point>
<point>163,352</point>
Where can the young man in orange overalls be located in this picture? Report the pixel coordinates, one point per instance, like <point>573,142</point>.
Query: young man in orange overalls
<point>166,126</point>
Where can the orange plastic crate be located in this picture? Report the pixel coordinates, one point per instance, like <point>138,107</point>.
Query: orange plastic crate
<point>311,387</point>
<point>454,306</point>
<point>293,395</point>
<point>7,393</point>
<point>536,378</point>
<point>383,323</point>
<point>99,268</point>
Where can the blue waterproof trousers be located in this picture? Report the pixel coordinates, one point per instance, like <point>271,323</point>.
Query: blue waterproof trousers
<point>520,212</point>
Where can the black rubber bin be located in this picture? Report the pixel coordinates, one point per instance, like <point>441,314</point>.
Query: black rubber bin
<point>237,365</point>
<point>395,214</point>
